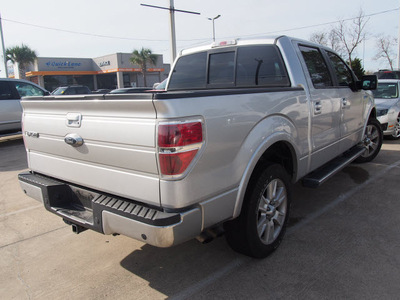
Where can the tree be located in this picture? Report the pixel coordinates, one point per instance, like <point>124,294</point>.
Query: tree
<point>384,46</point>
<point>328,39</point>
<point>344,38</point>
<point>142,58</point>
<point>350,36</point>
<point>21,56</point>
<point>357,68</point>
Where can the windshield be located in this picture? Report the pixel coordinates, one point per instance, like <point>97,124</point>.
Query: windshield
<point>59,91</point>
<point>386,91</point>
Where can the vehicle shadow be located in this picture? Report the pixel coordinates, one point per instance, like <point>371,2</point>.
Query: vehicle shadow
<point>173,270</point>
<point>12,155</point>
<point>191,267</point>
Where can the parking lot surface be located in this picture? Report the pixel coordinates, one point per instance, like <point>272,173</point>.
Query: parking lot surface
<point>342,242</point>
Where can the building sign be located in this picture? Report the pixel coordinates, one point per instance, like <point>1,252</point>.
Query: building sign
<point>155,70</point>
<point>63,64</point>
<point>104,63</point>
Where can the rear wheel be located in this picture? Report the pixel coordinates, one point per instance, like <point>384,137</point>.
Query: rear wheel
<point>373,141</point>
<point>259,229</point>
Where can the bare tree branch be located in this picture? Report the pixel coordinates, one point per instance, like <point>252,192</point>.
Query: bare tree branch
<point>385,46</point>
<point>350,36</point>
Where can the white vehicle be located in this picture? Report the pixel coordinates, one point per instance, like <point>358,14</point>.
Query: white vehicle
<point>11,91</point>
<point>236,125</point>
<point>387,100</point>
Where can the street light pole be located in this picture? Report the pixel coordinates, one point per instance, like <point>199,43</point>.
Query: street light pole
<point>4,62</point>
<point>398,49</point>
<point>172,11</point>
<point>172,30</point>
<point>213,21</point>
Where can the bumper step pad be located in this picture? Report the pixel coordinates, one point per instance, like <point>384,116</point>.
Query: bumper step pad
<point>85,207</point>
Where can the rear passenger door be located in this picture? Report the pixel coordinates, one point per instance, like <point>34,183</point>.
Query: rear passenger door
<point>325,107</point>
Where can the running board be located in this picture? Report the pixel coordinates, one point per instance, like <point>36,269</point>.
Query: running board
<point>320,175</point>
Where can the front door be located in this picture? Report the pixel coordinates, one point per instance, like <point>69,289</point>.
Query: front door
<point>325,108</point>
<point>351,101</point>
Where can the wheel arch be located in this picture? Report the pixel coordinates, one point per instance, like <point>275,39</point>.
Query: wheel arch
<point>279,148</point>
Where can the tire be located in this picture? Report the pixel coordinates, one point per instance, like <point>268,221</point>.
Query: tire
<point>261,225</point>
<point>373,139</point>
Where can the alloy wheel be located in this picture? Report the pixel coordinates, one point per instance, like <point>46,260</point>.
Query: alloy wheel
<point>271,212</point>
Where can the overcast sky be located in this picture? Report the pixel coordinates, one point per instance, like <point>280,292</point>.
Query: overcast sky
<point>127,25</point>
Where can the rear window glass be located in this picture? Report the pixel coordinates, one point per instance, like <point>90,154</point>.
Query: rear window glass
<point>388,74</point>
<point>246,66</point>
<point>189,72</point>
<point>222,67</point>
<point>260,66</point>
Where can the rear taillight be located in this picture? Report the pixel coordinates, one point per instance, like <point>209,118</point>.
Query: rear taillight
<point>178,144</point>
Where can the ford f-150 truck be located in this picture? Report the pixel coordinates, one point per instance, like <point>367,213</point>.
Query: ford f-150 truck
<point>238,123</point>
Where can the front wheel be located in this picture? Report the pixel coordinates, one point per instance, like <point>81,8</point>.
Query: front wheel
<point>259,229</point>
<point>372,140</point>
<point>396,133</point>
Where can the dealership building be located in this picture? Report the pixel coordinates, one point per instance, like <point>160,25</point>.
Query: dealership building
<point>106,72</point>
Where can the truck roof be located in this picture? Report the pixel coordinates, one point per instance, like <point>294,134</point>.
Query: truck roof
<point>245,41</point>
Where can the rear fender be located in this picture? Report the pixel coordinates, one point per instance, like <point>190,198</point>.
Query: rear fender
<point>266,133</point>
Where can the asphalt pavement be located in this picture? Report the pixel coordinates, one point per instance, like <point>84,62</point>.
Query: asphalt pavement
<point>342,242</point>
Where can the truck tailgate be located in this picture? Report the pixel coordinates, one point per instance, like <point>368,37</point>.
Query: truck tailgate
<point>118,154</point>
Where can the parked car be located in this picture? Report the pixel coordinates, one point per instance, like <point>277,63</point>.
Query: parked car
<point>131,90</point>
<point>387,102</point>
<point>72,90</point>
<point>101,91</point>
<point>11,91</point>
<point>388,74</point>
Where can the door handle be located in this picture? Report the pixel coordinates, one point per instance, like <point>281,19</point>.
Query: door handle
<point>345,103</point>
<point>317,108</point>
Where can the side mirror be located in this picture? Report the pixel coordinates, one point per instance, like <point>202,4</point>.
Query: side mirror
<point>368,82</point>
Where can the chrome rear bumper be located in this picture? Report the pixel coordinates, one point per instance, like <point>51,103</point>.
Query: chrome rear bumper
<point>112,215</point>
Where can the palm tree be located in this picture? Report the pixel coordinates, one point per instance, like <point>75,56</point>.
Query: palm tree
<point>22,56</point>
<point>142,58</point>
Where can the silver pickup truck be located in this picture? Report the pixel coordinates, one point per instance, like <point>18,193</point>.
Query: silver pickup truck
<point>238,123</point>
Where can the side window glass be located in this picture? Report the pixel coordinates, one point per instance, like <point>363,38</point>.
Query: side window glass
<point>260,66</point>
<point>342,72</point>
<point>82,90</point>
<point>5,91</point>
<point>26,89</point>
<point>317,67</point>
<point>221,69</point>
<point>189,72</point>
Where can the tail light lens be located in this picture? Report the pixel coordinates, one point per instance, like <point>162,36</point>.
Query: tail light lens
<point>179,135</point>
<point>178,144</point>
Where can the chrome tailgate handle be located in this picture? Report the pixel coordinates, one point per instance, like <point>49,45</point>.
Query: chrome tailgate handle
<point>73,139</point>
